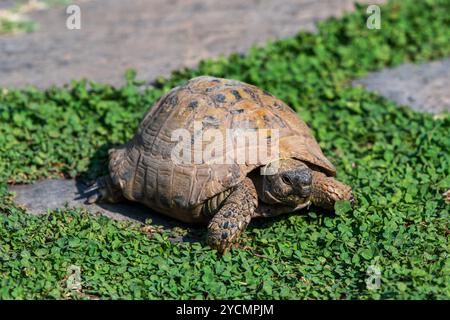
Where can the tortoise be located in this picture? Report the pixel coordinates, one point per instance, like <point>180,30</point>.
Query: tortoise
<point>225,195</point>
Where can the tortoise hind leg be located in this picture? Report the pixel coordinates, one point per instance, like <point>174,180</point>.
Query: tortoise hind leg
<point>233,217</point>
<point>104,190</point>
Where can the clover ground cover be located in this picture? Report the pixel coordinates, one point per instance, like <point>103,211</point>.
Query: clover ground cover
<point>396,160</point>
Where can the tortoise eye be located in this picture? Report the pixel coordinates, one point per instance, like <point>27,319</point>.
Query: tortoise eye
<point>286,180</point>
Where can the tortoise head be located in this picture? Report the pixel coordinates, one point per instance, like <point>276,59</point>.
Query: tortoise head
<point>290,184</point>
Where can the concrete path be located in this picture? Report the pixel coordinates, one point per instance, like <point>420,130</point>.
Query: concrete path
<point>152,36</point>
<point>40,197</point>
<point>424,87</point>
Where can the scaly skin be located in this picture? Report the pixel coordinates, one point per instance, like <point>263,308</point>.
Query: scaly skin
<point>241,205</point>
<point>233,217</point>
<point>104,190</point>
<point>327,190</point>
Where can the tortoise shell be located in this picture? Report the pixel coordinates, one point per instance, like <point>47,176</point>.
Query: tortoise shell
<point>144,166</point>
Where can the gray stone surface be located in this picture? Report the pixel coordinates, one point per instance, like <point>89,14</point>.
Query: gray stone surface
<point>424,87</point>
<point>4,4</point>
<point>46,195</point>
<point>152,36</point>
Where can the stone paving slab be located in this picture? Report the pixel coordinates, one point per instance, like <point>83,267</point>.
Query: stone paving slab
<point>424,87</point>
<point>45,195</point>
<point>54,194</point>
<point>152,36</point>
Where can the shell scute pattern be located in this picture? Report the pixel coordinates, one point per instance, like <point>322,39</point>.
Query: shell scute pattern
<point>144,169</point>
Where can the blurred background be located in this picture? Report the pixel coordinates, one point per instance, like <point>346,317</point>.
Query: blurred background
<point>152,36</point>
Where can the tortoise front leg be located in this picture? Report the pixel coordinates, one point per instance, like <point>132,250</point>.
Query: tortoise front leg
<point>326,191</point>
<point>233,217</point>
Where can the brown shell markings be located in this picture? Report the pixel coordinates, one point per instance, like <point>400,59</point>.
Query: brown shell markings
<point>143,166</point>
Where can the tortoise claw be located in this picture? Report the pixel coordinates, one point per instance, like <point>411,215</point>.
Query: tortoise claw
<point>96,197</point>
<point>92,187</point>
<point>103,190</point>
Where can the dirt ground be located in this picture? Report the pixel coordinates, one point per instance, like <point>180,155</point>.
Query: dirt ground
<point>152,36</point>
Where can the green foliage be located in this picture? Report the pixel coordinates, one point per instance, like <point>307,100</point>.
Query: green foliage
<point>11,26</point>
<point>396,160</point>
<point>13,21</point>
